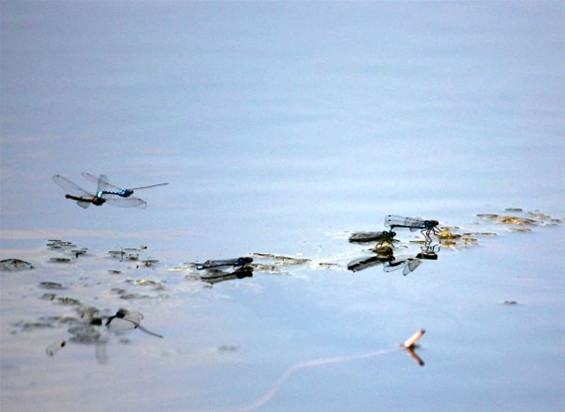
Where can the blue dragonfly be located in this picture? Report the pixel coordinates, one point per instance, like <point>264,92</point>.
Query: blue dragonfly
<point>110,189</point>
<point>425,226</point>
<point>85,199</point>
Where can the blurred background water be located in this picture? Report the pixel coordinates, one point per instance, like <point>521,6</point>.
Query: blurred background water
<point>279,126</point>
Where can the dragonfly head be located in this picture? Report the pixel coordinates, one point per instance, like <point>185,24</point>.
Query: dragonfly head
<point>432,223</point>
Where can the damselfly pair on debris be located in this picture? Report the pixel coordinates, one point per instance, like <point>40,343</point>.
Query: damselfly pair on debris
<point>425,226</point>
<point>105,192</point>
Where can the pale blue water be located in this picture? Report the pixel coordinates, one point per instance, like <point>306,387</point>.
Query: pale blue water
<point>280,126</point>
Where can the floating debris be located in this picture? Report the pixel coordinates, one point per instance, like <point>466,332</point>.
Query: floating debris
<point>31,326</point>
<point>60,244</point>
<point>211,264</point>
<point>51,285</point>
<point>361,237</point>
<point>520,229</point>
<point>283,260</point>
<point>60,260</point>
<point>14,265</point>
<point>79,252</point>
<point>149,262</point>
<point>510,302</point>
<point>480,234</point>
<point>114,272</point>
<point>513,209</point>
<point>48,296</point>
<point>146,282</point>
<point>65,300</point>
<point>127,295</point>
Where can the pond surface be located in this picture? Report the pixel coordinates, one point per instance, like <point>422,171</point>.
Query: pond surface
<point>283,128</point>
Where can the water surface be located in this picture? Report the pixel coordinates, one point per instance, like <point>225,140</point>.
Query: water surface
<point>281,128</point>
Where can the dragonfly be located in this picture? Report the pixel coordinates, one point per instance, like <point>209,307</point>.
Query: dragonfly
<point>110,189</point>
<point>84,198</point>
<point>425,226</point>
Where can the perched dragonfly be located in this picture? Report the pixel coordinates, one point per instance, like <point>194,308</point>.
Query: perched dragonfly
<point>110,189</point>
<point>84,198</point>
<point>425,226</point>
<point>212,264</point>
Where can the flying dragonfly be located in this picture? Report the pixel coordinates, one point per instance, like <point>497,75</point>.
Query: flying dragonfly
<point>425,226</point>
<point>84,198</point>
<point>110,189</point>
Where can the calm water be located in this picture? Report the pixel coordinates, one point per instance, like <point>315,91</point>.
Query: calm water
<point>280,128</point>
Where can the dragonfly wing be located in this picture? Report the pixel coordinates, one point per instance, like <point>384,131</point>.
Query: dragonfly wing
<point>411,266</point>
<point>84,205</point>
<point>135,317</point>
<point>102,182</point>
<point>72,187</point>
<point>121,324</point>
<point>115,200</point>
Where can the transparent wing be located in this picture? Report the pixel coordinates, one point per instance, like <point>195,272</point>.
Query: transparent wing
<point>407,265</point>
<point>119,201</point>
<point>84,205</point>
<point>72,187</point>
<point>411,266</point>
<point>401,221</point>
<point>102,182</point>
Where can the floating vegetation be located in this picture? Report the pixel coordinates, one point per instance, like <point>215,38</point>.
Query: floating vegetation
<point>283,260</point>
<point>65,300</point>
<point>535,218</point>
<point>114,272</point>
<point>51,285</point>
<point>361,237</point>
<point>60,260</point>
<point>48,296</point>
<point>14,265</point>
<point>127,295</point>
<point>520,229</point>
<point>149,262</point>
<point>57,244</point>
<point>146,282</point>
<point>513,209</point>
<point>25,326</point>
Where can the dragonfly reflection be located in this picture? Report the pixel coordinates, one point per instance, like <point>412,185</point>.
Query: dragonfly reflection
<point>110,189</point>
<point>384,255</point>
<point>89,331</point>
<point>84,198</point>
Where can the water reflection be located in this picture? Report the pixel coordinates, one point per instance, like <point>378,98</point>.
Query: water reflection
<point>384,255</point>
<point>92,328</point>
